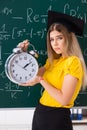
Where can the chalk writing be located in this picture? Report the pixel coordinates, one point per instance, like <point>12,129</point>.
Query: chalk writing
<point>42,52</point>
<point>85,52</point>
<point>31,32</point>
<point>6,11</point>
<point>14,90</point>
<point>2,75</point>
<point>0,52</point>
<point>35,18</point>
<point>75,12</point>
<point>16,33</point>
<point>1,62</point>
<point>53,0</point>
<point>84,1</point>
<point>77,101</point>
<point>85,35</point>
<point>4,33</point>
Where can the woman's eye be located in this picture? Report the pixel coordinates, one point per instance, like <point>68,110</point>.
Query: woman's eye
<point>60,38</point>
<point>51,40</point>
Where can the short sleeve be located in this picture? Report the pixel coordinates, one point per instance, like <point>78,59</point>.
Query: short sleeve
<point>73,66</point>
<point>47,64</point>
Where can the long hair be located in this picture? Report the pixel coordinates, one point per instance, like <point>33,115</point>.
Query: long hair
<point>71,48</point>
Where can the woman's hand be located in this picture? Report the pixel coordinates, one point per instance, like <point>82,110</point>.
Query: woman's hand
<point>31,82</point>
<point>24,45</point>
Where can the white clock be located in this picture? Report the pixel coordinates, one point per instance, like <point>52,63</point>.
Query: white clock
<point>21,67</point>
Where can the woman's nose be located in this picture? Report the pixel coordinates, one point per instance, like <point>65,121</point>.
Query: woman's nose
<point>55,42</point>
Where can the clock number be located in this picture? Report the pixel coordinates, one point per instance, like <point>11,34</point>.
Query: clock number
<point>16,61</point>
<point>30,74</point>
<point>25,57</point>
<point>33,70</point>
<point>20,58</point>
<point>12,65</point>
<point>13,71</point>
<point>20,78</point>
<point>16,74</point>
<point>26,77</point>
<point>33,65</point>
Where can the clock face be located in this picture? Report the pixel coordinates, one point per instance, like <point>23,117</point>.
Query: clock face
<point>21,67</point>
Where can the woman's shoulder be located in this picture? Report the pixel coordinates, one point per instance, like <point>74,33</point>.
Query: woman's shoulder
<point>73,59</point>
<point>73,66</point>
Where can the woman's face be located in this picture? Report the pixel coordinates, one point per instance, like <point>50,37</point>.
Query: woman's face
<point>57,42</point>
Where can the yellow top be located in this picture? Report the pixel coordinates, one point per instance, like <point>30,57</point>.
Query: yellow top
<point>55,74</point>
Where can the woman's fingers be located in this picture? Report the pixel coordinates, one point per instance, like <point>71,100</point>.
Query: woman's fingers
<point>23,45</point>
<point>32,82</point>
<point>25,84</point>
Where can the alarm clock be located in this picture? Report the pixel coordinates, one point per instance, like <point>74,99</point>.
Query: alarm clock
<point>21,66</point>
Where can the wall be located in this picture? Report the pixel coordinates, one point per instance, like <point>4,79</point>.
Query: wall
<point>16,118</point>
<point>21,119</point>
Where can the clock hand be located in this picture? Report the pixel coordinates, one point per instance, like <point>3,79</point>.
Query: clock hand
<point>21,66</point>
<point>27,65</point>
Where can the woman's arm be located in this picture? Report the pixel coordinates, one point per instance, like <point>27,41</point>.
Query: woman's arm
<point>24,46</point>
<point>63,96</point>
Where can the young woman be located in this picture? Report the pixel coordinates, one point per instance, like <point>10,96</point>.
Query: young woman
<point>61,77</point>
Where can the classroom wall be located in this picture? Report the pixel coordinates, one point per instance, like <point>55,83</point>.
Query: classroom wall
<point>21,119</point>
<point>16,119</point>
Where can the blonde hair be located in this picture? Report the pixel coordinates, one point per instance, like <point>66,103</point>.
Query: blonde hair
<point>71,48</point>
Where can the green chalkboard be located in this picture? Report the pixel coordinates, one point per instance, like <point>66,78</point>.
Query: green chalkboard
<point>27,19</point>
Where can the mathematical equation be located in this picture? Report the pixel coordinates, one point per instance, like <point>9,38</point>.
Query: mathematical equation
<point>14,91</point>
<point>75,12</point>
<point>17,33</point>
<point>30,18</point>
